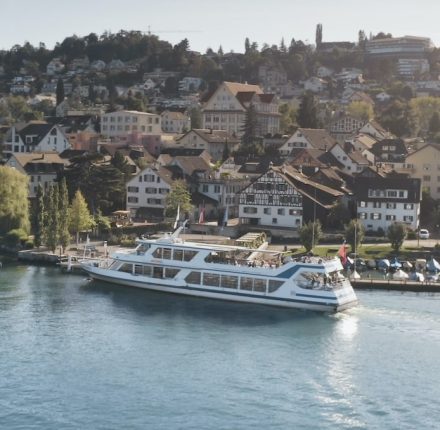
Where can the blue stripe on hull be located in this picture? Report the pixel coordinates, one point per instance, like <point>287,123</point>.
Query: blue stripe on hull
<point>228,294</point>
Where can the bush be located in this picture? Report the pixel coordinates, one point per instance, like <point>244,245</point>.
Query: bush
<point>16,237</point>
<point>411,235</point>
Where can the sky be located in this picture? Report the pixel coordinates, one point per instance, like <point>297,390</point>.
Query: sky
<point>210,23</point>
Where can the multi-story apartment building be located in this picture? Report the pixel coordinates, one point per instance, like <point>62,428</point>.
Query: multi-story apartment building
<point>226,108</point>
<point>424,164</point>
<point>271,200</point>
<point>411,67</point>
<point>125,122</point>
<point>399,47</point>
<point>383,201</point>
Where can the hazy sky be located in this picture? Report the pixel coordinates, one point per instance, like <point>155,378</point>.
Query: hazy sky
<point>209,23</point>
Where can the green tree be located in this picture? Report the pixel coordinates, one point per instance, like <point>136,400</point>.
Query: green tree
<point>250,127</point>
<point>361,110</point>
<point>79,215</point>
<point>339,215</point>
<point>318,35</point>
<point>196,117</point>
<point>39,217</point>
<point>179,196</point>
<point>60,91</point>
<point>14,204</point>
<point>434,123</point>
<point>307,112</point>
<point>63,208</point>
<point>52,222</point>
<point>310,234</point>
<point>396,234</point>
<point>354,234</point>
<point>288,118</point>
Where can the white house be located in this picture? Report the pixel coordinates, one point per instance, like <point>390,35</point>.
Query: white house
<point>35,137</point>
<point>315,84</point>
<point>353,161</point>
<point>213,141</point>
<point>382,201</point>
<point>147,191</point>
<point>175,122</point>
<point>55,66</point>
<point>125,122</point>
<point>40,168</point>
<point>226,108</point>
<point>307,138</point>
<point>271,200</point>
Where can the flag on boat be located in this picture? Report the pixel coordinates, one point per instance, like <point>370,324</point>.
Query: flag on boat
<point>176,222</point>
<point>343,253</point>
<point>201,214</point>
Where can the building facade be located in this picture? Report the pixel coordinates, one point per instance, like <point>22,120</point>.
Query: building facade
<point>125,122</point>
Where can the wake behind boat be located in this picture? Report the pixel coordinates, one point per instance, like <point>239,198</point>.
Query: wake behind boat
<point>225,272</point>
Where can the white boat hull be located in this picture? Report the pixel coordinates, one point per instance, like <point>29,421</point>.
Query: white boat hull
<point>299,301</point>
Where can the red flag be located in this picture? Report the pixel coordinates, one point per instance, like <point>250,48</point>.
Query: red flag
<point>343,253</point>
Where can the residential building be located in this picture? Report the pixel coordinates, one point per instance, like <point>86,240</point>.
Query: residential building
<point>226,108</point>
<point>124,122</point>
<point>35,136</point>
<point>146,193</point>
<point>214,142</point>
<point>284,197</point>
<point>40,168</point>
<point>271,200</point>
<point>352,161</point>
<point>390,150</point>
<point>55,66</point>
<point>315,85</point>
<point>373,128</point>
<point>189,84</point>
<point>344,127</point>
<point>307,138</point>
<point>411,67</point>
<point>399,47</point>
<point>383,201</point>
<point>424,164</point>
<point>175,122</point>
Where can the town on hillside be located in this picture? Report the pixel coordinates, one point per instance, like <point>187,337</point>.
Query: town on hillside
<point>265,140</point>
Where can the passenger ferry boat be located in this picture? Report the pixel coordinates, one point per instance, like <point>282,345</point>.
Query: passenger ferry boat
<point>236,273</point>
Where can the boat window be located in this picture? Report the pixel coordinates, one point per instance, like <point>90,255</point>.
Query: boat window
<point>193,278</point>
<point>138,269</point>
<point>171,273</point>
<point>126,267</point>
<point>157,253</point>
<point>246,283</point>
<point>188,255</point>
<point>166,253</point>
<point>211,279</point>
<point>178,254</point>
<point>147,270</point>
<point>157,272</point>
<point>260,285</point>
<point>229,281</point>
<point>274,285</point>
<point>142,249</point>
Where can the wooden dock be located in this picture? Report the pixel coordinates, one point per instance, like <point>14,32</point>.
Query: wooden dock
<point>384,284</point>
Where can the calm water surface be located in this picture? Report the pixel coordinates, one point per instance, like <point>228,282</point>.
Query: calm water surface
<point>85,355</point>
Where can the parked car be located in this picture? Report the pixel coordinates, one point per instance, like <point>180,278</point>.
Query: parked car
<point>423,233</point>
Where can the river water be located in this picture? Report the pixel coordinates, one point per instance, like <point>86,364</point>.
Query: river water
<point>76,354</point>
